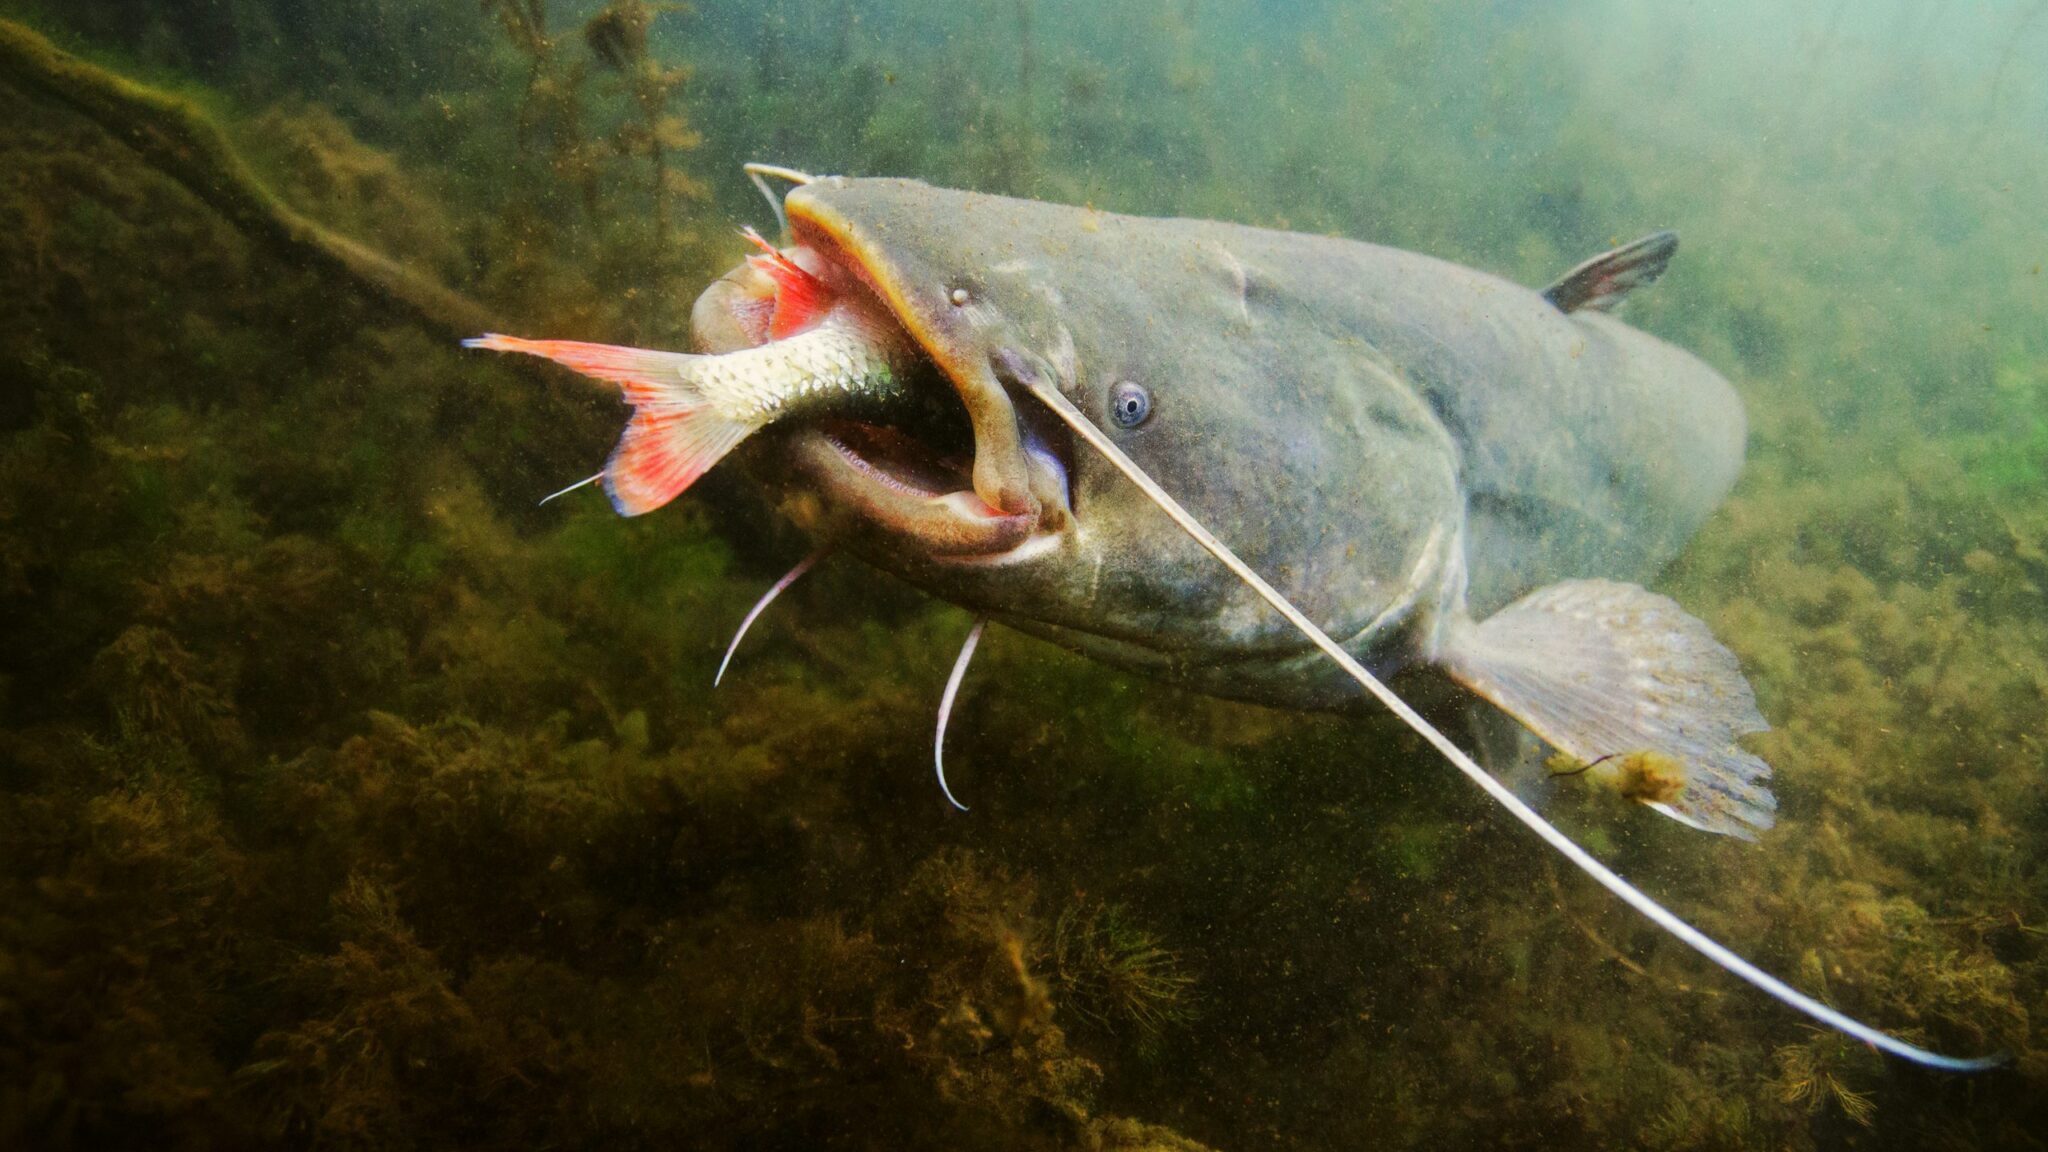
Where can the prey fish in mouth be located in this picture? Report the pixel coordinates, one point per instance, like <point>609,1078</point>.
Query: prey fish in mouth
<point>815,344</point>
<point>1264,465</point>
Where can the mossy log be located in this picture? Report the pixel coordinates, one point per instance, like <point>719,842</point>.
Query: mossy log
<point>179,140</point>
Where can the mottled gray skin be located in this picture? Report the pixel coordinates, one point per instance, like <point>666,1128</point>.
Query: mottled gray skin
<point>1396,442</point>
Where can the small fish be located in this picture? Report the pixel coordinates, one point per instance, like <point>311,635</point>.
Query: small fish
<point>817,349</point>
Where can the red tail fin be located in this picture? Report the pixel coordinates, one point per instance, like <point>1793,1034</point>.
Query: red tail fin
<point>663,451</point>
<point>647,376</point>
<point>674,437</point>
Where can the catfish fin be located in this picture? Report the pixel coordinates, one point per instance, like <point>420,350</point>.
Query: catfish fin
<point>675,435</point>
<point>1605,281</point>
<point>1610,673</point>
<point>1599,873</point>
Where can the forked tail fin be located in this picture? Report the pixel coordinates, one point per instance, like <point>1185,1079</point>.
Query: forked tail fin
<point>1706,945</point>
<point>675,435</point>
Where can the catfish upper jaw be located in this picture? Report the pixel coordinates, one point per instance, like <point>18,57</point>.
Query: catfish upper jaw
<point>1002,474</point>
<point>920,493</point>
<point>885,490</point>
<point>1011,503</point>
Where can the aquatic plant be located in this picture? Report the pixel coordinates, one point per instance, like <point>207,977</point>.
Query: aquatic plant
<point>1817,1075</point>
<point>617,37</point>
<point>1116,974</point>
<point>551,103</point>
<point>159,689</point>
<point>624,225</point>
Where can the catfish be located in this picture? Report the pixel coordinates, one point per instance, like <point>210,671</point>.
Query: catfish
<point>1417,465</point>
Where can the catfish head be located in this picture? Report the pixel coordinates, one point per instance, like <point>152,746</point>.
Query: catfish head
<point>1208,351</point>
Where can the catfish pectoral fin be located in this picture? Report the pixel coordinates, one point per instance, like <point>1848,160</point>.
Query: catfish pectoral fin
<point>1611,674</point>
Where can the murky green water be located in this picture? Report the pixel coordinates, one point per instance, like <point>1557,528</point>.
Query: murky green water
<point>349,799</point>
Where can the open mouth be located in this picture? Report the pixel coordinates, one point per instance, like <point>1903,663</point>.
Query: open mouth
<point>918,467</point>
<point>899,486</point>
<point>948,471</point>
<point>911,479</point>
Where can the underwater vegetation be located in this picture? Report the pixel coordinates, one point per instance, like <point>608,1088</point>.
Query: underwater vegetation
<point>565,131</point>
<point>1117,974</point>
<point>347,799</point>
<point>1817,1074</point>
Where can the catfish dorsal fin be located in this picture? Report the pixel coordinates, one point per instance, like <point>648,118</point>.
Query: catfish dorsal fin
<point>1723,956</point>
<point>1602,283</point>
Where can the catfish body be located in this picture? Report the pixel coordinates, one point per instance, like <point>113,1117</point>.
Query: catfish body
<point>1429,464</point>
<point>1388,437</point>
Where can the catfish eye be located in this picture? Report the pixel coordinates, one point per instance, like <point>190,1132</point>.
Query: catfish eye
<point>1129,404</point>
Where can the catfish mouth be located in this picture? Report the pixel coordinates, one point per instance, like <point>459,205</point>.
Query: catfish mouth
<point>957,475</point>
<point>907,484</point>
<point>910,484</point>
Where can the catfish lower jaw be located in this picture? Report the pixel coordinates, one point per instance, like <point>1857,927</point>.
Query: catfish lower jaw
<point>881,482</point>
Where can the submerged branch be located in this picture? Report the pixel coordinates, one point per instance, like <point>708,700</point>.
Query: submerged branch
<point>179,140</point>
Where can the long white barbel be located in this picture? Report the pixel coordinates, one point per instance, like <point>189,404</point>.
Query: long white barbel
<point>757,172</point>
<point>761,605</point>
<point>1629,894</point>
<point>946,708</point>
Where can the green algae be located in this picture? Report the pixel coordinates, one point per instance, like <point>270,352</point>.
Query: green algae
<point>1117,974</point>
<point>349,800</point>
